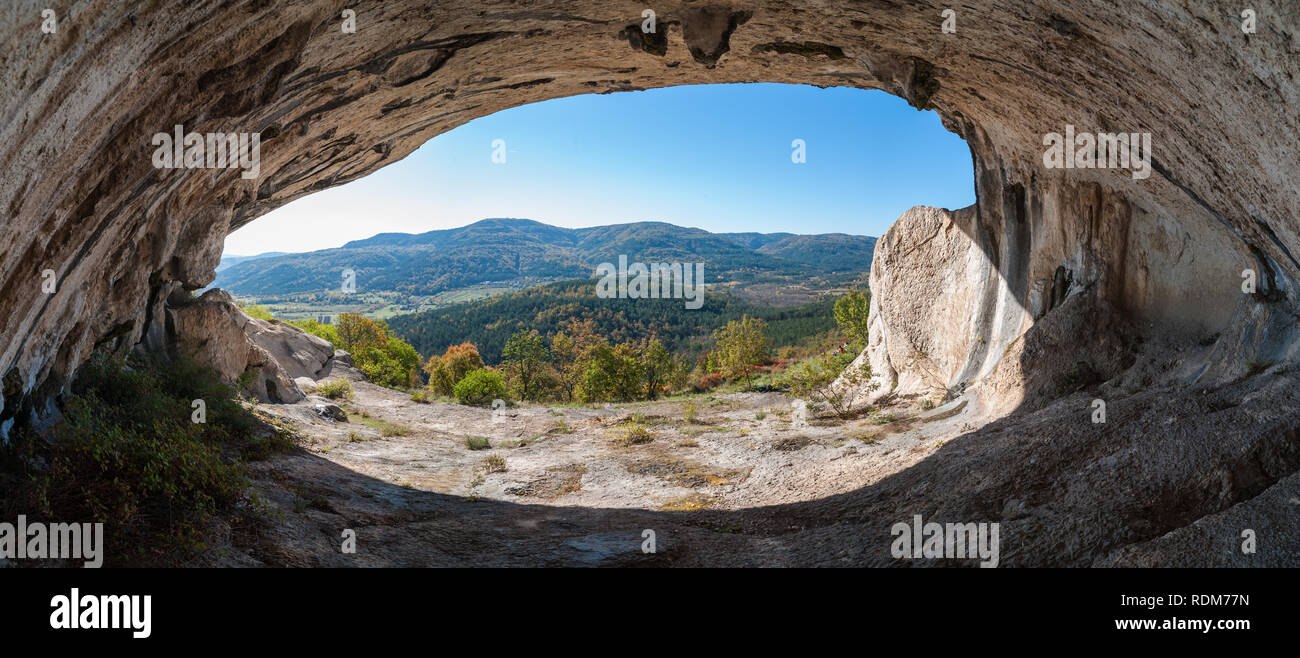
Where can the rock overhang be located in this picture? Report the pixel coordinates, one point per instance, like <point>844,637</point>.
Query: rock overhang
<point>82,200</point>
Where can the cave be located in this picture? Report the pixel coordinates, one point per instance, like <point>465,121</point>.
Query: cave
<point>1061,285</point>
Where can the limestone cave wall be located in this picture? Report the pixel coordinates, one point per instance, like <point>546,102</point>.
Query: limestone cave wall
<point>94,237</point>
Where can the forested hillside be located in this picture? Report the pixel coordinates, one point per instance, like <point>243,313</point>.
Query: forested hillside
<point>489,323</point>
<point>503,250</point>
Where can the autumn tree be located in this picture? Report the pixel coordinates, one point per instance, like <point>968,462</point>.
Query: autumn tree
<point>447,370</point>
<point>570,351</point>
<point>525,356</point>
<point>564,356</point>
<point>384,359</point>
<point>742,345</point>
<point>357,332</point>
<point>394,365</point>
<point>681,372</point>
<point>657,365</point>
<point>613,373</point>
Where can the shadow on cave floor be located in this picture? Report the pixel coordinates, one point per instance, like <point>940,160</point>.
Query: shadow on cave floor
<point>1067,492</point>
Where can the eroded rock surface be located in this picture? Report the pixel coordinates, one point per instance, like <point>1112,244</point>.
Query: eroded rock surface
<point>928,268</point>
<point>945,322</point>
<point>214,331</point>
<point>748,484</point>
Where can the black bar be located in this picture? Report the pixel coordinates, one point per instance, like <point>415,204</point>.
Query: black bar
<point>326,607</point>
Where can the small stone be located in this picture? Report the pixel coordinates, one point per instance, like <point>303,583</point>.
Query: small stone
<point>331,412</point>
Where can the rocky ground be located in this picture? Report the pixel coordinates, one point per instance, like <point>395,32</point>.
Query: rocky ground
<point>563,484</point>
<point>745,484</point>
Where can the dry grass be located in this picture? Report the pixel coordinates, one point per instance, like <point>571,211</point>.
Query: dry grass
<point>633,434</point>
<point>555,482</point>
<point>691,502</point>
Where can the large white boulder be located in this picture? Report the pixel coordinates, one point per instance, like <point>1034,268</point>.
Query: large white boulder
<point>217,333</point>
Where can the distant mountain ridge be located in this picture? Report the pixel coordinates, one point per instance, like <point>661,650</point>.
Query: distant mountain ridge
<point>503,249</point>
<point>232,260</point>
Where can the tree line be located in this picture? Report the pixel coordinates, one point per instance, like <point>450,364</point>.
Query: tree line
<point>488,324</point>
<point>578,362</point>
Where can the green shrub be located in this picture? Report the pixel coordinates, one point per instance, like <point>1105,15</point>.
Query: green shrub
<point>393,365</point>
<point>480,387</point>
<point>327,331</point>
<point>256,311</point>
<point>477,443</point>
<point>384,359</point>
<point>163,468</point>
<point>613,373</point>
<point>335,389</point>
<point>814,380</point>
<point>852,313</point>
<point>127,453</point>
<point>525,356</point>
<point>742,346</point>
<point>447,370</point>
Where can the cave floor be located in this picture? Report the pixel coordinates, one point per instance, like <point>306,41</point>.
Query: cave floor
<point>564,484</point>
<point>744,484</point>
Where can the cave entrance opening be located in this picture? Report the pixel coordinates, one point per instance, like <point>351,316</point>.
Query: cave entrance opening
<point>788,182</point>
<point>489,247</point>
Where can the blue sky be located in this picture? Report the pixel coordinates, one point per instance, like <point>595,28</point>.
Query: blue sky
<point>717,157</point>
